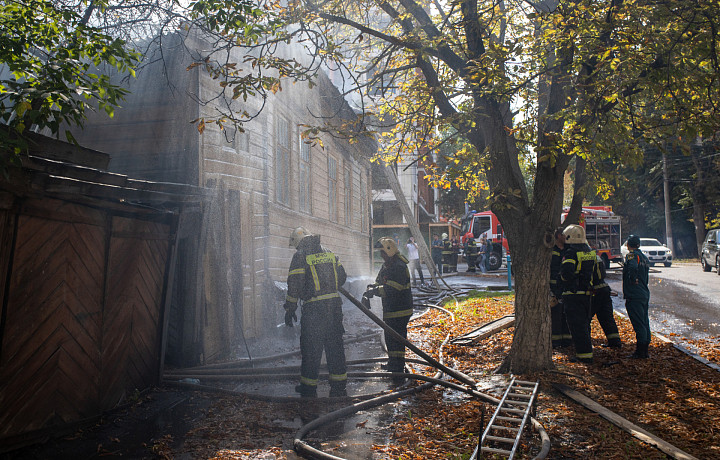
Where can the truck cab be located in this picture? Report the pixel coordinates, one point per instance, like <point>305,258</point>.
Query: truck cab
<point>486,223</point>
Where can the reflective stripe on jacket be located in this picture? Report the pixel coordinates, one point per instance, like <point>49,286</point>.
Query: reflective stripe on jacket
<point>393,282</point>
<point>315,274</point>
<point>577,268</point>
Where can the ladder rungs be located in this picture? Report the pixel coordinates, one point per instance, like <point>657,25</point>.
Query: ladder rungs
<point>525,383</point>
<point>520,395</point>
<point>508,419</point>
<point>514,411</point>
<point>503,427</point>
<point>495,451</point>
<point>499,439</point>
<point>519,403</point>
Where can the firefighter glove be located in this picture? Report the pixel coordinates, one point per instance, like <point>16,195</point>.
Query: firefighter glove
<point>371,292</point>
<point>290,316</point>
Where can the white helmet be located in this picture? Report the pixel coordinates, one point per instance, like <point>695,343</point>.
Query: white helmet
<point>444,236</point>
<point>297,236</point>
<point>387,245</point>
<point>574,234</point>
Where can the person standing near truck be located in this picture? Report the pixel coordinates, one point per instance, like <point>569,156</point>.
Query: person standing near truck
<point>437,248</point>
<point>560,333</point>
<point>636,272</point>
<point>576,275</point>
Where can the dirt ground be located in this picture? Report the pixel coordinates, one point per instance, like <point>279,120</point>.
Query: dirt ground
<point>671,395</point>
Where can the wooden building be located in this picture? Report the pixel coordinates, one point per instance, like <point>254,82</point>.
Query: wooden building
<point>86,261</point>
<point>267,182</point>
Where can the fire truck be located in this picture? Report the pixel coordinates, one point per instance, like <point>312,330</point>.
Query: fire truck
<point>486,223</point>
<point>602,230</point>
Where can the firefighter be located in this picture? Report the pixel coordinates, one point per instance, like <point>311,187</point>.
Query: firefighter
<point>393,286</point>
<point>601,306</point>
<point>471,251</point>
<point>446,253</point>
<point>560,332</point>
<point>636,271</point>
<point>437,247</point>
<point>314,277</point>
<point>576,275</point>
<point>455,254</point>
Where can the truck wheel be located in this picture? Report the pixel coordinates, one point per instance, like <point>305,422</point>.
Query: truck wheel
<point>705,266</point>
<point>494,261</point>
<point>717,265</point>
<point>667,264</point>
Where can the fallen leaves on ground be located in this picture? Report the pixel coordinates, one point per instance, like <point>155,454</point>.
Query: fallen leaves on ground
<point>671,395</point>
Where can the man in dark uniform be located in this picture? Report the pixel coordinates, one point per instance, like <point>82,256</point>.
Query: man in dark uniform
<point>314,277</point>
<point>471,251</point>
<point>393,286</point>
<point>437,248</point>
<point>602,306</point>
<point>576,276</point>
<point>560,332</point>
<point>637,295</point>
<point>446,253</point>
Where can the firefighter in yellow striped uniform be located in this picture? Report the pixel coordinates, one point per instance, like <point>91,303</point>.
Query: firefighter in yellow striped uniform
<point>576,274</point>
<point>602,306</point>
<point>314,277</point>
<point>393,286</point>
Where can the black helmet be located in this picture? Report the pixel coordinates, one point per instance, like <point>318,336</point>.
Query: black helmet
<point>633,241</point>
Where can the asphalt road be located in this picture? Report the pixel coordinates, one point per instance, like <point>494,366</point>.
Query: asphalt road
<point>684,301</point>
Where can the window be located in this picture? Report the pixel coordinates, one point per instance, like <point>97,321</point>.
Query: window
<point>282,160</point>
<point>332,188</point>
<point>363,202</point>
<point>304,178</point>
<point>348,197</point>
<point>242,141</point>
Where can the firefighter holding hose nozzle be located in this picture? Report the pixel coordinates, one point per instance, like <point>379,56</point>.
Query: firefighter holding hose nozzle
<point>314,277</point>
<point>393,286</point>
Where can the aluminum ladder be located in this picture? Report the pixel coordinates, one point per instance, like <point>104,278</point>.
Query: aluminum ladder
<point>503,432</point>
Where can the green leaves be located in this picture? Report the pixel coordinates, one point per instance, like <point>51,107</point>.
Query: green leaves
<point>50,54</point>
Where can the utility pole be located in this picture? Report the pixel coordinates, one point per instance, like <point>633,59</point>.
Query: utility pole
<point>666,187</point>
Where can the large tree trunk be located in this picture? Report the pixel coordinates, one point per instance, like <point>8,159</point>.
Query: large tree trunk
<point>526,225</point>
<point>531,347</point>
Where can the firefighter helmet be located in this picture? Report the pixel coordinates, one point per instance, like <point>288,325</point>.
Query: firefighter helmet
<point>297,236</point>
<point>467,237</point>
<point>387,245</point>
<point>444,236</point>
<point>633,241</point>
<point>574,234</point>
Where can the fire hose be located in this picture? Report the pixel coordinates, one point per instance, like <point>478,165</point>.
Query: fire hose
<point>304,448</point>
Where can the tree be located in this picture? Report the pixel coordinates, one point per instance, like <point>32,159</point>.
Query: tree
<point>525,87</point>
<point>574,72</point>
<point>51,59</point>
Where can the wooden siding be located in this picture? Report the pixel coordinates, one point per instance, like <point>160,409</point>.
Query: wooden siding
<point>81,325</point>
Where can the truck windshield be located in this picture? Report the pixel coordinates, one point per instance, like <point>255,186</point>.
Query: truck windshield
<point>481,224</point>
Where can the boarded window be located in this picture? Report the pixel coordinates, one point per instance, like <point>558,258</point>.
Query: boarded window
<point>332,189</point>
<point>282,160</point>
<point>348,197</point>
<point>242,141</point>
<point>363,204</point>
<point>304,178</point>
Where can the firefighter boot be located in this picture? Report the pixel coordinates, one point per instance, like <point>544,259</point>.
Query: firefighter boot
<point>338,390</point>
<point>641,351</point>
<point>613,343</point>
<point>306,391</point>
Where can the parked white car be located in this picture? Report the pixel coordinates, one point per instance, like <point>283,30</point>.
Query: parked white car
<point>655,251</point>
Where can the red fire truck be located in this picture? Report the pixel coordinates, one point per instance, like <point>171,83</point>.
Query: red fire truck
<point>486,223</point>
<point>602,230</point>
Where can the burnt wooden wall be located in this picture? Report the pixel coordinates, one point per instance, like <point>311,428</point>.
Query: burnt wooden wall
<point>82,296</point>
